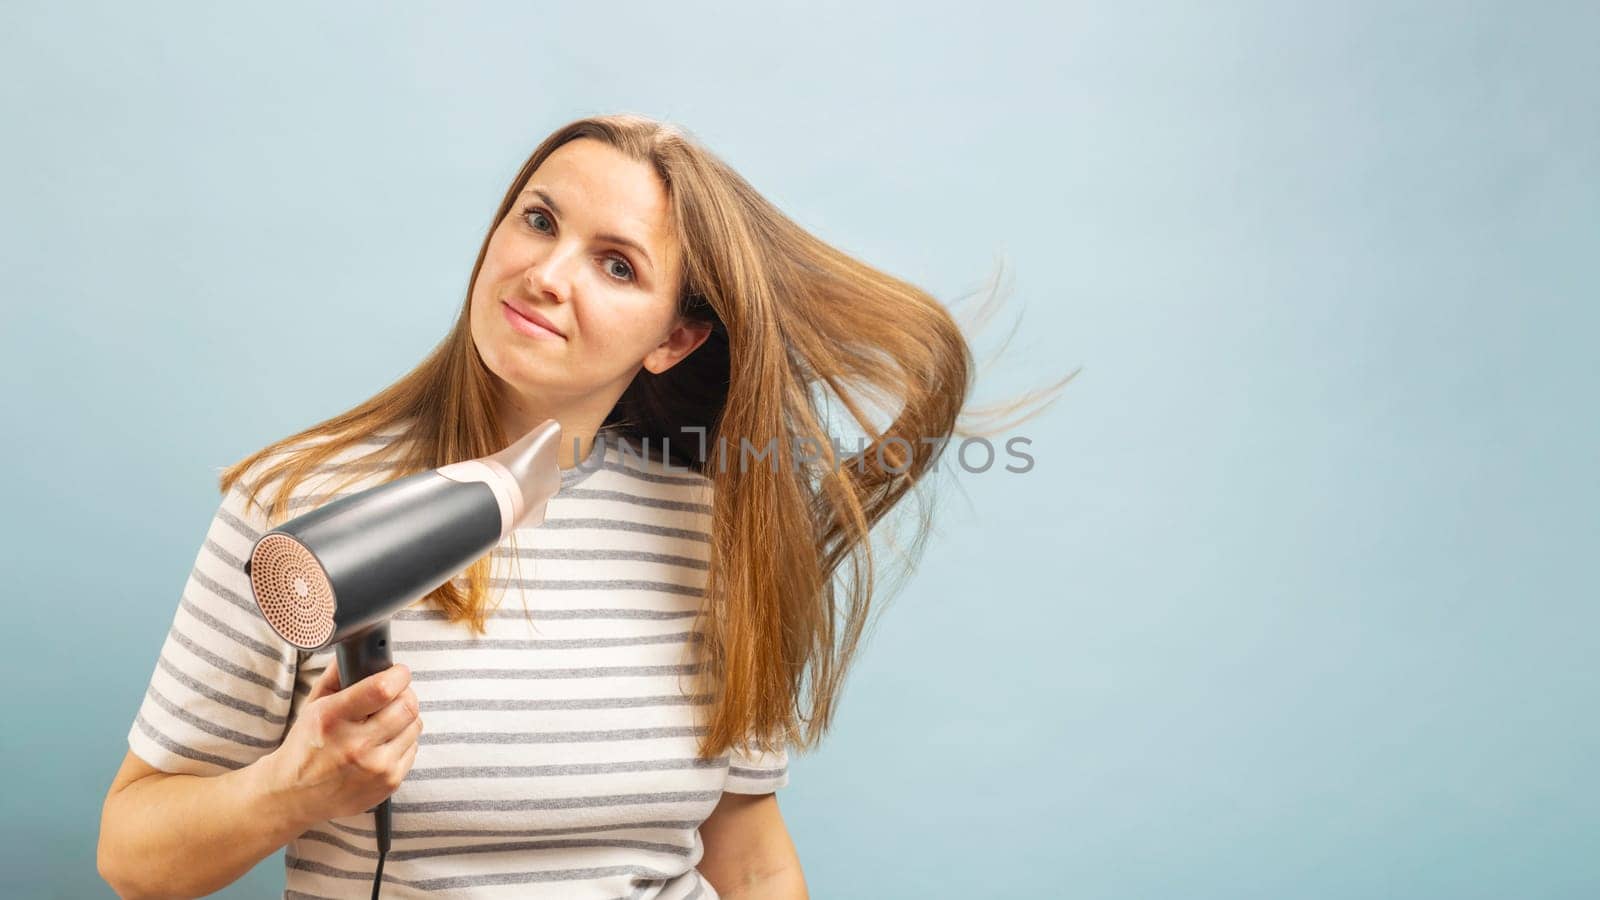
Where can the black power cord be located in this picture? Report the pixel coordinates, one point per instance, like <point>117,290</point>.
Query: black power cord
<point>377,877</point>
<point>381,818</point>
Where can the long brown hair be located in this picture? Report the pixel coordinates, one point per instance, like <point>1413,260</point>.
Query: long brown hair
<point>796,325</point>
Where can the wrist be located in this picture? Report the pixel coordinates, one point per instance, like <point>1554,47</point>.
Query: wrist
<point>268,793</point>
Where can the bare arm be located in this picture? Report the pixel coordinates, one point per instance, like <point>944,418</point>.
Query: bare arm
<point>170,835</point>
<point>165,835</point>
<point>748,851</point>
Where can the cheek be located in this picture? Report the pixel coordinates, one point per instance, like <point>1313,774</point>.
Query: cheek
<point>620,336</point>
<point>482,300</point>
<point>484,310</point>
<point>490,332</point>
<point>483,336</point>
<point>500,263</point>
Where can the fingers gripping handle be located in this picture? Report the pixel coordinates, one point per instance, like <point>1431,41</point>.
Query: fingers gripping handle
<point>360,656</point>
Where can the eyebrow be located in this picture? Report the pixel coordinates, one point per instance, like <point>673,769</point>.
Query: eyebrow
<point>613,238</point>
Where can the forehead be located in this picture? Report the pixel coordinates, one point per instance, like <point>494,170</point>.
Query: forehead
<point>598,187</point>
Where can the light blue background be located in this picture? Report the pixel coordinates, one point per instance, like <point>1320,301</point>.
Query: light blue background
<point>1300,597</point>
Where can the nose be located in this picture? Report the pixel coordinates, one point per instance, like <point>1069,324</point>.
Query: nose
<point>548,276</point>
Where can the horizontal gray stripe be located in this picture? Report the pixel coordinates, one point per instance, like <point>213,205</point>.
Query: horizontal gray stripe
<point>562,769</point>
<point>496,703</point>
<point>408,834</point>
<point>221,627</point>
<point>560,737</point>
<point>574,476</point>
<point>237,671</point>
<point>644,640</point>
<point>564,737</point>
<point>209,727</point>
<point>236,523</point>
<point>301,895</point>
<point>439,615</point>
<point>764,774</point>
<point>346,846</point>
<point>183,750</point>
<point>461,881</point>
<point>602,584</point>
<point>223,555</point>
<point>576,672</point>
<point>502,847</point>
<point>527,803</point>
<point>637,500</point>
<point>625,525</point>
<point>690,479</point>
<point>568,844</point>
<point>687,562</point>
<point>217,696</point>
<point>245,604</point>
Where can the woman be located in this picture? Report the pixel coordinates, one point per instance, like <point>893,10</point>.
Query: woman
<point>620,728</point>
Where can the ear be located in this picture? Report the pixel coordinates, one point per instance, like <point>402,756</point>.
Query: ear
<point>685,336</point>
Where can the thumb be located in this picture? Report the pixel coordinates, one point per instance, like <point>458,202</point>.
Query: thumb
<point>326,683</point>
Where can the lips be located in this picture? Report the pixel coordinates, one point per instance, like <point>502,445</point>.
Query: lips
<point>529,315</point>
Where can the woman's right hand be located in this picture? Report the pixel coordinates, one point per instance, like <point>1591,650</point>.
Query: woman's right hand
<point>349,749</point>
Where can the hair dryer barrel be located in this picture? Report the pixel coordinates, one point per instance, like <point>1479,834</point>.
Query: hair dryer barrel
<point>352,563</point>
<point>355,561</point>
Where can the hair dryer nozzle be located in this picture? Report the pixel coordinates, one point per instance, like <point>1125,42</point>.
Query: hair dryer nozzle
<point>524,476</point>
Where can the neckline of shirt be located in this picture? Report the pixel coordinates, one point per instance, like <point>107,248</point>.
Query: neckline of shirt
<point>591,464</point>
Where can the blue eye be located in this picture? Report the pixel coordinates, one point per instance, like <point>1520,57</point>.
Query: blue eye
<point>625,266</point>
<point>530,211</point>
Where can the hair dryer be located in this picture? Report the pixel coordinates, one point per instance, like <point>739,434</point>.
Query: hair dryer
<point>338,573</point>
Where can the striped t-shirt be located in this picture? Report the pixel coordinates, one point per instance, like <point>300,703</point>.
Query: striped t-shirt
<point>557,757</point>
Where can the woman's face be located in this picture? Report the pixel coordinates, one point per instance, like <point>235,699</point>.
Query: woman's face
<point>565,253</point>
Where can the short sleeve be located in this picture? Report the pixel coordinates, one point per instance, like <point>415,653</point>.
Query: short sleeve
<point>223,685</point>
<point>751,771</point>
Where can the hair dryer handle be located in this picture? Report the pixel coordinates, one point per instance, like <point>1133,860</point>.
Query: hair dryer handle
<point>364,654</point>
<point>359,657</point>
